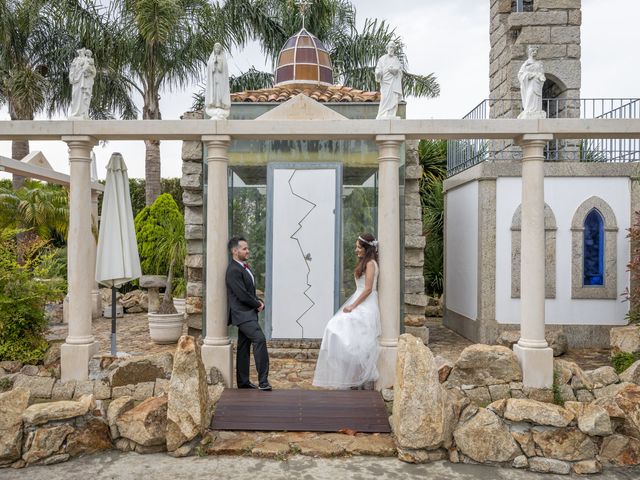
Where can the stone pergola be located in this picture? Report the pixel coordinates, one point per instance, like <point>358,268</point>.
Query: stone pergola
<point>81,136</point>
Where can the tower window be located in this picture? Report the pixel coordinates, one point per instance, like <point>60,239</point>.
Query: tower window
<point>522,6</point>
<point>593,260</point>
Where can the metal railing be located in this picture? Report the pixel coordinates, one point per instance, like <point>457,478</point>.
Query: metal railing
<point>462,154</point>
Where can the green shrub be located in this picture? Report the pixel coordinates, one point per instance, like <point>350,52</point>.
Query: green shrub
<point>23,293</point>
<point>623,360</point>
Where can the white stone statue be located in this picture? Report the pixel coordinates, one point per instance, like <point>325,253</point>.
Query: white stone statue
<point>81,76</point>
<point>531,77</point>
<point>389,75</point>
<point>217,99</point>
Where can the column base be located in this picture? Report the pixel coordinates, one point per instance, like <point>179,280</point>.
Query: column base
<point>537,366</point>
<point>96,304</point>
<point>386,367</point>
<point>74,360</point>
<point>221,357</point>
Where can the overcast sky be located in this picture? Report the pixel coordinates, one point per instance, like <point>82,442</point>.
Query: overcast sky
<point>449,38</point>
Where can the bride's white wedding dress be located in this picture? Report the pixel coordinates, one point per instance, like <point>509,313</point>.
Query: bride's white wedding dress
<point>349,350</point>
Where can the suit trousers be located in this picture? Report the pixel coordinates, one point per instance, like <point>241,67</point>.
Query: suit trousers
<point>250,333</point>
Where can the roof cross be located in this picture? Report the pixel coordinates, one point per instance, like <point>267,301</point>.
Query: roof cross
<point>303,6</point>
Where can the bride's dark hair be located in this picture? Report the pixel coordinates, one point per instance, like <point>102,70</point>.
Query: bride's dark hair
<point>370,245</point>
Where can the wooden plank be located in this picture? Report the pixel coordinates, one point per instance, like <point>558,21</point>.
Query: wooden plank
<point>301,410</point>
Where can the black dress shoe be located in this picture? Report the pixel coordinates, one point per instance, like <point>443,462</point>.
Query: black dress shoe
<point>249,385</point>
<point>266,388</point>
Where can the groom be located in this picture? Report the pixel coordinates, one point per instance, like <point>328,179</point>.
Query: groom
<point>243,313</point>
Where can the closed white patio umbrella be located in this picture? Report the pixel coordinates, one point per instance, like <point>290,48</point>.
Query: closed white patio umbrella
<point>117,260</point>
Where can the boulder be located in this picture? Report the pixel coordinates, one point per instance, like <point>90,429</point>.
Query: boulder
<point>12,405</point>
<point>63,391</point>
<point>568,444</point>
<point>145,424</point>
<point>11,366</point>
<point>625,339</point>
<point>508,338</point>
<point>549,465</point>
<point>525,410</point>
<point>40,413</point>
<point>92,436</point>
<point>557,341</point>
<point>632,374</point>
<point>586,467</point>
<point>116,408</point>
<point>620,450</point>
<point>628,399</point>
<point>579,379</point>
<point>471,438</point>
<point>603,376</point>
<point>611,390</point>
<point>562,372</point>
<point>188,414</point>
<point>135,301</point>
<point>482,365</point>
<point>39,387</point>
<point>423,415</point>
<point>140,369</point>
<point>44,442</point>
<point>594,420</point>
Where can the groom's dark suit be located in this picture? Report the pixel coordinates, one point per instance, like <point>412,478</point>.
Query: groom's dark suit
<point>243,305</point>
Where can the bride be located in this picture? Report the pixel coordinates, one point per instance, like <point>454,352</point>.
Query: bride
<point>349,349</point>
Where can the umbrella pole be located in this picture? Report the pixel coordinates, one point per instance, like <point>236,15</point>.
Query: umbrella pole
<point>113,321</point>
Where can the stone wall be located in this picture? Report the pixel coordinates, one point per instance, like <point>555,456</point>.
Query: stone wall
<point>587,421</point>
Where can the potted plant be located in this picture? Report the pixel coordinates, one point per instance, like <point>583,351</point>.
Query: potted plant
<point>162,244</point>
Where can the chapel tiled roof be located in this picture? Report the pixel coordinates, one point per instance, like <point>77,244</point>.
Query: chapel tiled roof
<point>331,94</point>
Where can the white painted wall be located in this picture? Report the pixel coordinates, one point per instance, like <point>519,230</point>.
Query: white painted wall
<point>564,195</point>
<point>461,263</point>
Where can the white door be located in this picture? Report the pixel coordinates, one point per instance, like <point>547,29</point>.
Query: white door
<point>303,234</point>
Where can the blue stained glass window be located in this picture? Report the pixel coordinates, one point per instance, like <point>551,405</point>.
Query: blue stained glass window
<point>593,267</point>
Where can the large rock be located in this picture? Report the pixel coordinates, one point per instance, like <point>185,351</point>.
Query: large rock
<point>116,408</point>
<point>485,365</point>
<point>632,374</point>
<point>628,399</point>
<point>40,387</point>
<point>12,405</point>
<point>603,376</point>
<point>140,369</point>
<point>188,413</point>
<point>568,444</point>
<point>471,438</point>
<point>145,424</point>
<point>423,414</point>
<point>45,442</point>
<point>40,413</point>
<point>135,301</point>
<point>92,436</point>
<point>549,465</point>
<point>625,339</point>
<point>620,450</point>
<point>557,340</point>
<point>594,420</point>
<point>579,379</point>
<point>525,410</point>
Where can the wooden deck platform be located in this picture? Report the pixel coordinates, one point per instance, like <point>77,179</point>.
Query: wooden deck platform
<point>301,411</point>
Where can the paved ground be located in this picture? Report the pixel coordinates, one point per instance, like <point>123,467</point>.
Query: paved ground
<point>133,337</point>
<point>125,466</point>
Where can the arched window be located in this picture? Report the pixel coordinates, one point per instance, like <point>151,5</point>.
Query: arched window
<point>593,244</point>
<point>594,237</point>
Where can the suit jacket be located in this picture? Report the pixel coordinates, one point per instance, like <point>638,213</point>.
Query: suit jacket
<point>241,295</point>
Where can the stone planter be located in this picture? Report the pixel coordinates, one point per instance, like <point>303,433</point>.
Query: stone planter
<point>165,328</point>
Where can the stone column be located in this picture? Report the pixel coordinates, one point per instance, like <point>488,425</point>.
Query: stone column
<point>534,354</point>
<point>96,298</point>
<point>216,349</point>
<point>389,251</point>
<point>80,344</point>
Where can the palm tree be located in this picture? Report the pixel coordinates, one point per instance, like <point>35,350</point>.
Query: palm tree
<point>38,39</point>
<point>156,44</point>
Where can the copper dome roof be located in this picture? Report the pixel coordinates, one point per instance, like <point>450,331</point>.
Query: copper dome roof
<point>304,60</point>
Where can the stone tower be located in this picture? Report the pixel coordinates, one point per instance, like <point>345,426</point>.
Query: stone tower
<point>552,25</point>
